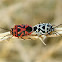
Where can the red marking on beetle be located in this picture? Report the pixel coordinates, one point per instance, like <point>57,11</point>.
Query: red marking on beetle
<point>21,30</point>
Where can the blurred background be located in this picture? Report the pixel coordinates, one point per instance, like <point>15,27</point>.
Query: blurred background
<point>30,12</point>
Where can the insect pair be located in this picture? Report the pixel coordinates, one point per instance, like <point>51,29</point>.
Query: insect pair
<point>25,30</point>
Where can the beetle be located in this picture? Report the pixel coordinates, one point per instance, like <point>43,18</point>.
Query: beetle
<point>44,29</point>
<point>20,30</point>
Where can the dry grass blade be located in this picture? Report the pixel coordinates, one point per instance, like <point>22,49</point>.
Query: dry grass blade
<point>33,36</point>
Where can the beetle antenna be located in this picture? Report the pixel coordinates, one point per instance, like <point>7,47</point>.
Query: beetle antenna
<point>57,26</point>
<point>58,33</point>
<point>42,40</point>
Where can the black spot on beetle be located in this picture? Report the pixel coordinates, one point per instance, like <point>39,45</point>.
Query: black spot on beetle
<point>39,29</point>
<point>19,34</point>
<point>12,33</point>
<point>47,28</point>
<point>39,25</point>
<point>51,26</point>
<point>18,26</point>
<point>47,31</point>
<point>29,29</point>
<point>43,27</point>
<point>23,26</point>
<point>36,31</point>
<point>43,31</point>
<point>19,29</point>
<point>15,33</point>
<point>48,25</point>
<point>35,28</point>
<point>12,29</point>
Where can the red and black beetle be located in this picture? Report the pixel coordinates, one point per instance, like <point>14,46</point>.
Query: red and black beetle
<point>21,30</point>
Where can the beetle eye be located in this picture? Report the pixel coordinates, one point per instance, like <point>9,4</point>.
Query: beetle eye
<point>35,28</point>
<point>29,29</point>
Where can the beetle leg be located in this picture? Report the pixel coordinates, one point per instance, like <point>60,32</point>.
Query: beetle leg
<point>5,36</point>
<point>57,33</point>
<point>42,40</point>
<point>22,38</point>
<point>57,26</point>
<point>8,38</point>
<point>31,38</point>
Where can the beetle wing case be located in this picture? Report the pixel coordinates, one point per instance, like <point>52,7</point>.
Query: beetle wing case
<point>21,30</point>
